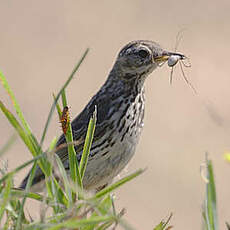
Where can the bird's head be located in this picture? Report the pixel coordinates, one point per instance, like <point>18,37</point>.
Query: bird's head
<point>140,58</point>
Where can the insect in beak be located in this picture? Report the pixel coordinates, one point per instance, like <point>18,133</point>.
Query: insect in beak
<point>172,58</point>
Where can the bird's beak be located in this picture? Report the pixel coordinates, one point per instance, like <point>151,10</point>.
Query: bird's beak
<point>165,55</point>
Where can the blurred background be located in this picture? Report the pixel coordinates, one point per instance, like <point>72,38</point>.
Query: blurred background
<point>42,40</point>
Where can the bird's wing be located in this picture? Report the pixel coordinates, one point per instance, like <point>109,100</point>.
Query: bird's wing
<point>80,126</point>
<point>79,129</point>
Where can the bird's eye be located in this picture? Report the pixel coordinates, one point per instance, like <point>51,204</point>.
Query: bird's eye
<point>143,53</point>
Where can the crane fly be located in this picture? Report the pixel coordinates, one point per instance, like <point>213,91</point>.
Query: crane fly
<point>174,58</point>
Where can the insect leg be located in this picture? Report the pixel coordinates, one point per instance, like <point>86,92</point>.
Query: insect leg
<point>171,75</point>
<point>186,79</point>
<point>188,64</point>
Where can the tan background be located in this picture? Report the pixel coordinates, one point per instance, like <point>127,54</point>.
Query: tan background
<point>41,41</point>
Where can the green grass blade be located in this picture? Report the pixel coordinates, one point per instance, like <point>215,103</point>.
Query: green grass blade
<point>103,207</point>
<point>18,193</point>
<point>54,189</point>
<point>43,163</point>
<point>125,225</point>
<point>8,144</point>
<point>103,226</point>
<point>28,185</point>
<point>51,186</point>
<point>75,223</point>
<point>7,175</point>
<point>18,109</point>
<point>73,163</point>
<point>18,128</point>
<point>117,184</point>
<point>163,224</point>
<point>60,196</point>
<point>58,107</point>
<point>5,196</point>
<point>53,144</point>
<point>88,143</point>
<point>67,185</point>
<point>210,209</point>
<point>59,94</point>
<point>64,99</point>
<point>24,136</point>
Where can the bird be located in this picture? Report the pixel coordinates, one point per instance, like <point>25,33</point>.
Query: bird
<point>120,106</point>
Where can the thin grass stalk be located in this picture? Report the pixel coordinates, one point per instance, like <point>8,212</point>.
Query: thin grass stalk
<point>75,223</point>
<point>117,184</point>
<point>65,179</point>
<point>210,200</point>
<point>18,111</point>
<point>28,185</point>
<point>17,193</point>
<point>88,143</point>
<point>73,163</point>
<point>5,196</point>
<point>14,122</point>
<point>7,175</point>
<point>58,107</point>
<point>26,139</point>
